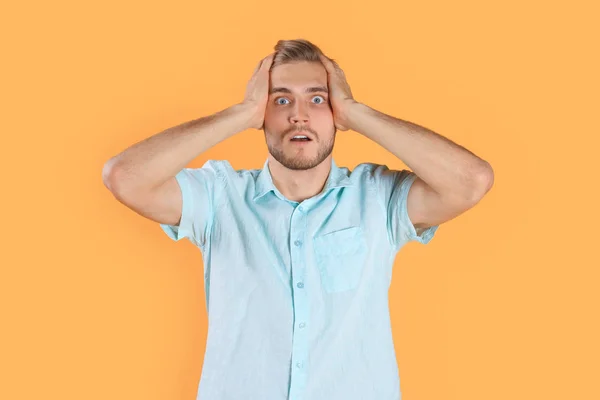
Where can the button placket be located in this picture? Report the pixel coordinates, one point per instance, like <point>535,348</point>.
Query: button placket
<point>300,304</point>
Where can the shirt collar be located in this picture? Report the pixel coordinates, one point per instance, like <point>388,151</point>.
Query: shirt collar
<point>264,182</point>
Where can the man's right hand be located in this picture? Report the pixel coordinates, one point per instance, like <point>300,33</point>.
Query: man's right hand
<point>257,92</point>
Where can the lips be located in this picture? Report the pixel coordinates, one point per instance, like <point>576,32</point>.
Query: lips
<point>300,133</point>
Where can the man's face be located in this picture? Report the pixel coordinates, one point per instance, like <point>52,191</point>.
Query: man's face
<point>292,110</point>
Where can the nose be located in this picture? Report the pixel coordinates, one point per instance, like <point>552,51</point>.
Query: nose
<point>299,113</point>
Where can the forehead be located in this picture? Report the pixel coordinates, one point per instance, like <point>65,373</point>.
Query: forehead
<point>298,75</point>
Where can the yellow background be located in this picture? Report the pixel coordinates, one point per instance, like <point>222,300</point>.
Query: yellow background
<point>96,302</point>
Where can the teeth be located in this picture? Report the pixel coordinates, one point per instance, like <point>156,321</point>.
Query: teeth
<point>300,137</point>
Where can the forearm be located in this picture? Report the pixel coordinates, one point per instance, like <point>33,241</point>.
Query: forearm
<point>447,167</point>
<point>151,162</point>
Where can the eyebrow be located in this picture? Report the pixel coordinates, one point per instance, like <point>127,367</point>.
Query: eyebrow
<point>308,90</point>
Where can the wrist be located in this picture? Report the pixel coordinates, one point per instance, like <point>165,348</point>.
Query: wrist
<point>354,113</point>
<point>245,112</point>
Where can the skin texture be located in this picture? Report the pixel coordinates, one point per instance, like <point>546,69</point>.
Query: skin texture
<point>287,114</point>
<point>299,171</point>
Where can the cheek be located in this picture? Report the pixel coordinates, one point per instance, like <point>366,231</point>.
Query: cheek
<point>273,114</point>
<point>272,119</point>
<point>323,115</point>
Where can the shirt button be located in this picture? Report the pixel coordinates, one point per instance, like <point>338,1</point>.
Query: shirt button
<point>301,208</point>
<point>302,325</point>
<point>300,285</point>
<point>299,365</point>
<point>298,242</point>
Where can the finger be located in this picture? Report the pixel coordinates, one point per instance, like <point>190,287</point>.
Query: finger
<point>268,61</point>
<point>327,63</point>
<point>337,67</point>
<point>258,66</point>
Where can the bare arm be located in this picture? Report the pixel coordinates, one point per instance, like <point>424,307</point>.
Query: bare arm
<point>450,179</point>
<point>151,162</point>
<point>143,176</point>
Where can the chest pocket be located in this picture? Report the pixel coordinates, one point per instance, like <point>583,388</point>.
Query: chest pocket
<point>340,256</point>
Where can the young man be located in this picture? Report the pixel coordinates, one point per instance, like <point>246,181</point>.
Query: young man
<point>298,256</point>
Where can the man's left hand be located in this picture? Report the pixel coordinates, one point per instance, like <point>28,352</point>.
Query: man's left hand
<point>340,95</point>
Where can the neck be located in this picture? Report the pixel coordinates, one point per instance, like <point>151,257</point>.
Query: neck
<point>299,185</point>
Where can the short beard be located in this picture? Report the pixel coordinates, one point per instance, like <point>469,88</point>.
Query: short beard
<point>302,163</point>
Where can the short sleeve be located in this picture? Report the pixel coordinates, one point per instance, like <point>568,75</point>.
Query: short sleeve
<point>200,188</point>
<point>391,188</point>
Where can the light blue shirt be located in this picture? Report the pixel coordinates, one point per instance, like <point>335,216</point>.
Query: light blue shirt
<point>297,293</point>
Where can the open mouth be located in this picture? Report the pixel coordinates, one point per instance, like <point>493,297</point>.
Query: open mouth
<point>300,138</point>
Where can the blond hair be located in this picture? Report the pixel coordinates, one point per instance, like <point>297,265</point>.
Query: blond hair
<point>287,51</point>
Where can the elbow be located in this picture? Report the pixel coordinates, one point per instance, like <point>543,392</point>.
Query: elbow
<point>483,180</point>
<point>110,175</point>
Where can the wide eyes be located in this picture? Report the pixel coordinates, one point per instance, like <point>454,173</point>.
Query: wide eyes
<point>278,101</point>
